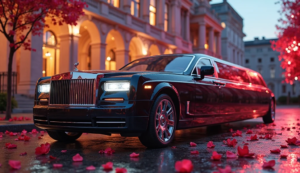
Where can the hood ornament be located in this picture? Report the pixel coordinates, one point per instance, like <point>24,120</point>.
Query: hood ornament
<point>75,65</point>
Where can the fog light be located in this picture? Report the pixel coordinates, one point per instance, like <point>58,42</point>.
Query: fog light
<point>114,99</point>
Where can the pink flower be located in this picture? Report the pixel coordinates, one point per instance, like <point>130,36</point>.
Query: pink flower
<point>134,155</point>
<point>244,152</point>
<point>77,158</point>
<point>108,166</point>
<point>210,144</point>
<point>34,131</point>
<point>43,149</point>
<point>195,152</point>
<point>192,144</point>
<point>230,155</point>
<point>216,156</point>
<point>121,170</point>
<point>292,141</point>
<point>57,165</point>
<point>268,136</point>
<point>42,133</point>
<point>24,132</point>
<point>249,131</point>
<point>11,32</point>
<point>107,151</point>
<point>90,168</point>
<point>231,143</point>
<point>269,164</point>
<point>253,138</point>
<point>185,166</point>
<point>275,151</point>
<point>15,164</point>
<point>237,133</point>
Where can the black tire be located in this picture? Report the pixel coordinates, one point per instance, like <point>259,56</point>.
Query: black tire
<point>63,136</point>
<point>164,121</point>
<point>270,116</point>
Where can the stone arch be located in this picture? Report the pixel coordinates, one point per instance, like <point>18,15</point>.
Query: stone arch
<point>135,49</point>
<point>168,51</point>
<point>115,46</point>
<point>154,50</point>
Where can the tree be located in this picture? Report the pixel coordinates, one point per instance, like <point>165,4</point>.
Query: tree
<point>19,18</point>
<point>288,43</point>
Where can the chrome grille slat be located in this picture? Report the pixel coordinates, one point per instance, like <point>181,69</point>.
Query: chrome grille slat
<point>72,92</point>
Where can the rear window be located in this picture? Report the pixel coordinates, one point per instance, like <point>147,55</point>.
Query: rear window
<point>256,78</point>
<point>232,73</point>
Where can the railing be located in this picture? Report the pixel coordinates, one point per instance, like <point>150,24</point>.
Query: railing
<point>3,82</point>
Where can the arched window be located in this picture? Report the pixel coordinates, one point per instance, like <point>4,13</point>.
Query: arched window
<point>111,60</point>
<point>49,38</point>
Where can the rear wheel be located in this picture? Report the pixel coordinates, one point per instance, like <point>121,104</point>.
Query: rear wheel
<point>64,136</point>
<point>162,123</point>
<point>270,116</point>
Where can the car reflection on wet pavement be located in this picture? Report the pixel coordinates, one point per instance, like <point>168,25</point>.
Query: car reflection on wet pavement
<point>163,159</point>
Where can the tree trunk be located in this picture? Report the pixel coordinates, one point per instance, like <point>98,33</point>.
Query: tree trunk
<point>9,76</point>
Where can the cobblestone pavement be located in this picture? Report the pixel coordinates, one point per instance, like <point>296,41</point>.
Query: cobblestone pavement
<point>163,160</point>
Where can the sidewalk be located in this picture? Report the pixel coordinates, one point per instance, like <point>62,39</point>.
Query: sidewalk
<point>17,126</point>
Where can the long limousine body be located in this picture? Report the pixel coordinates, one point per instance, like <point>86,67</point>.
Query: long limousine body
<point>151,98</point>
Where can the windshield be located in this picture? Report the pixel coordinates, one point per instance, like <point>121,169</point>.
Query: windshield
<point>176,64</point>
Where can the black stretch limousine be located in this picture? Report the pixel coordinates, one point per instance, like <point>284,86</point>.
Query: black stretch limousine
<point>151,98</point>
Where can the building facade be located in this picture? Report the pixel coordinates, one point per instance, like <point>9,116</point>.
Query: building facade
<point>260,57</point>
<point>113,33</point>
<point>232,34</point>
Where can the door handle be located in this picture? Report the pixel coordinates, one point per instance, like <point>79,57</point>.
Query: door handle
<point>219,83</point>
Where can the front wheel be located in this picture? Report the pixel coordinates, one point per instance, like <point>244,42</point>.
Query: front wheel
<point>162,123</point>
<point>270,116</point>
<point>63,136</point>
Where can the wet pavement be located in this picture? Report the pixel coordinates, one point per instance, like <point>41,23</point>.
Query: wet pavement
<point>163,160</point>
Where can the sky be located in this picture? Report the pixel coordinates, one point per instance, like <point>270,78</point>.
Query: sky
<point>260,17</point>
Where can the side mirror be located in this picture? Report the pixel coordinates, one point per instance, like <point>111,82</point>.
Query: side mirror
<point>204,70</point>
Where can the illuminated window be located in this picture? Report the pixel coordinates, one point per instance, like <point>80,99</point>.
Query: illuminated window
<point>152,8</point>
<point>166,17</point>
<point>135,8</point>
<point>115,3</point>
<point>49,38</point>
<point>272,72</point>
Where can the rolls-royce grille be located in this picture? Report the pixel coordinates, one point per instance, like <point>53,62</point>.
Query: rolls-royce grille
<point>75,91</point>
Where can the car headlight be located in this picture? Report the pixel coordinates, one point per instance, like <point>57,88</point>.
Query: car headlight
<point>116,86</point>
<point>44,88</point>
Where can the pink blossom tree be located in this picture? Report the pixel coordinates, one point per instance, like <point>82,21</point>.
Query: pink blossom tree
<point>19,18</point>
<point>288,43</point>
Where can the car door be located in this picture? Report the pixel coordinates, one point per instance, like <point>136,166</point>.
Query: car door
<point>206,93</point>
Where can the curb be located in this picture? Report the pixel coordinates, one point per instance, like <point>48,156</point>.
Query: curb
<point>18,127</point>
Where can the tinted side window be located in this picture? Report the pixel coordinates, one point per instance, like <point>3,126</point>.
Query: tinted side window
<point>232,73</point>
<point>254,77</point>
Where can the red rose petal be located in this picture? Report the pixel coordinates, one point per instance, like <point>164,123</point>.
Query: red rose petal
<point>269,164</point>
<point>43,149</point>
<point>57,165</point>
<point>108,166</point>
<point>227,169</point>
<point>63,151</point>
<point>283,146</point>
<point>283,155</point>
<point>230,155</point>
<point>185,166</point>
<point>52,157</point>
<point>77,158</point>
<point>90,168</point>
<point>249,131</point>
<point>192,144</point>
<point>121,170</point>
<point>216,156</point>
<point>23,154</point>
<point>134,155</point>
<point>34,131</point>
<point>244,152</point>
<point>253,138</point>
<point>210,144</point>
<point>10,146</point>
<point>15,164</point>
<point>42,133</point>
<point>275,151</point>
<point>195,152</point>
<point>107,151</point>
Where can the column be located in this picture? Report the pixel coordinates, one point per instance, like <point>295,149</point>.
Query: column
<point>219,49</point>
<point>187,29</point>
<point>68,53</point>
<point>145,9</point>
<point>201,36</point>
<point>211,39</point>
<point>127,6</point>
<point>98,56</point>
<point>160,15</point>
<point>175,17</point>
<point>31,66</point>
<point>122,58</point>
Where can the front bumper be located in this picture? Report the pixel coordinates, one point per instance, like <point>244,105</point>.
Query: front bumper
<point>126,121</point>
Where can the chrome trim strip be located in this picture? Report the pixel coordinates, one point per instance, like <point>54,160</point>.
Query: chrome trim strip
<point>106,122</point>
<point>41,120</point>
<point>188,107</point>
<point>198,61</point>
<point>70,122</point>
<point>190,62</point>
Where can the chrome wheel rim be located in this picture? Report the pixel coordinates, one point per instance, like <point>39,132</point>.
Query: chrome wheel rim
<point>273,110</point>
<point>164,120</point>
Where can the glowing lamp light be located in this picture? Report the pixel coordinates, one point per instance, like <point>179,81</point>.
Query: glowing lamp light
<point>206,46</point>
<point>147,86</point>
<point>223,25</point>
<point>44,71</point>
<point>296,78</point>
<point>289,74</point>
<point>112,38</point>
<point>108,58</point>
<point>294,42</point>
<point>289,62</point>
<point>292,16</point>
<point>48,54</point>
<point>295,48</point>
<point>144,52</point>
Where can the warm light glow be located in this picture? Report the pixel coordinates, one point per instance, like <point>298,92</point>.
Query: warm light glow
<point>48,54</point>
<point>254,111</point>
<point>43,100</point>
<point>108,58</point>
<point>85,27</point>
<point>289,62</point>
<point>114,99</point>
<point>296,78</point>
<point>292,16</point>
<point>148,87</point>
<point>289,74</point>
<point>223,25</point>
<point>112,38</point>
<point>294,42</point>
<point>144,52</point>
<point>44,71</point>
<point>206,46</point>
<point>295,48</point>
<point>43,47</point>
<point>75,31</point>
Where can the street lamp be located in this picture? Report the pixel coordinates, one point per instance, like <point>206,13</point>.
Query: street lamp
<point>108,59</point>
